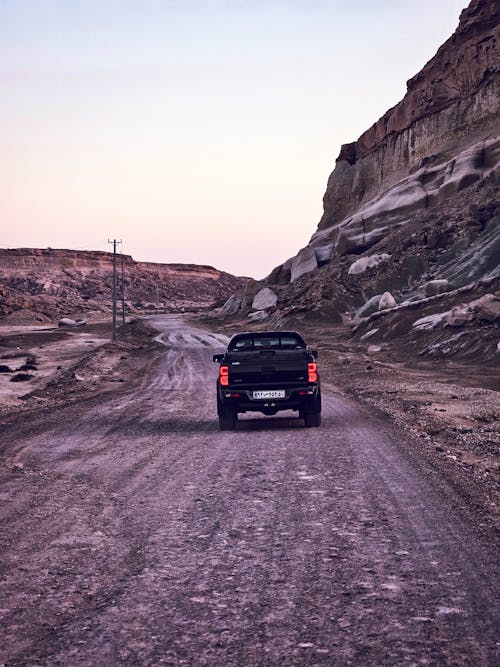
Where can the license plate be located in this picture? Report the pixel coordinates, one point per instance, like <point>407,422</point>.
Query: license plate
<point>277,393</point>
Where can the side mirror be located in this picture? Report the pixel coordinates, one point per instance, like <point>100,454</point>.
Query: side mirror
<point>217,358</point>
<point>314,353</point>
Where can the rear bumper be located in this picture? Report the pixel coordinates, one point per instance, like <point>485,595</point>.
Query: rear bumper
<point>241,399</point>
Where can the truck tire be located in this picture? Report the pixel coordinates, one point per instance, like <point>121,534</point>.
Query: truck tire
<point>227,421</point>
<point>312,419</point>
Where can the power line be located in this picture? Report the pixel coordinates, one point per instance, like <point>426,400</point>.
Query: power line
<point>123,289</point>
<point>114,242</point>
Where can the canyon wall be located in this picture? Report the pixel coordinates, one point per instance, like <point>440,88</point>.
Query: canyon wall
<point>443,137</point>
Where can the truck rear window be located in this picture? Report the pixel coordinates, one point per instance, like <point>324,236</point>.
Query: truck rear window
<point>258,342</point>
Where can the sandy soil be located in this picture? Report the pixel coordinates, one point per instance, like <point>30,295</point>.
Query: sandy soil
<point>135,533</point>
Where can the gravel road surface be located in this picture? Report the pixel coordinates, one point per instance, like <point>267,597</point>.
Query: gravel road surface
<point>134,532</point>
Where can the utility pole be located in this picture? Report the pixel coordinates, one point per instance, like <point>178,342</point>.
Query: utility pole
<point>123,291</point>
<point>157,294</point>
<point>114,242</point>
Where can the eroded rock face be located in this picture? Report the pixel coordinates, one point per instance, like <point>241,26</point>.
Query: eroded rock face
<point>443,137</point>
<point>454,95</point>
<point>419,191</point>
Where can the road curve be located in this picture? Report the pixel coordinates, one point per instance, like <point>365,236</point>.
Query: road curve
<point>135,533</point>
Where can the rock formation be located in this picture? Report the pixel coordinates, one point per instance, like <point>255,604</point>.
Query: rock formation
<point>45,284</point>
<point>440,139</point>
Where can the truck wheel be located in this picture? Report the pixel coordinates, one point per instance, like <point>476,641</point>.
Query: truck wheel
<point>312,419</point>
<point>227,421</point>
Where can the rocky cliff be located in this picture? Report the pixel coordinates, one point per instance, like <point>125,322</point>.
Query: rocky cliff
<point>48,283</point>
<point>440,139</point>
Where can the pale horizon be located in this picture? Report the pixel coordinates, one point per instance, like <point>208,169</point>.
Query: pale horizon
<point>197,132</point>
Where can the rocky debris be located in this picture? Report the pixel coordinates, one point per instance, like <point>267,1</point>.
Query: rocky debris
<point>304,262</point>
<point>373,349</point>
<point>363,263</point>
<point>265,299</point>
<point>434,287</point>
<point>452,324</point>
<point>387,301</point>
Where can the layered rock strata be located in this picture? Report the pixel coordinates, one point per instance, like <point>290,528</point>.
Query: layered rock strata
<point>54,282</point>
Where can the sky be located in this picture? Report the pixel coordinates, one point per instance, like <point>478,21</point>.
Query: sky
<point>196,131</point>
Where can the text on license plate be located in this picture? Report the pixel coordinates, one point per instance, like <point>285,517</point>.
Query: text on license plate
<point>276,393</point>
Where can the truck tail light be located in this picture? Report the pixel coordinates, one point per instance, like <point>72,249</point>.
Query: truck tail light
<point>312,372</point>
<point>224,376</point>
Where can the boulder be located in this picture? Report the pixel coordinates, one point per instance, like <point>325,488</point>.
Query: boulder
<point>66,322</point>
<point>304,262</point>
<point>487,308</point>
<point>371,306</point>
<point>265,299</point>
<point>434,287</point>
<point>387,301</point>
<point>363,263</point>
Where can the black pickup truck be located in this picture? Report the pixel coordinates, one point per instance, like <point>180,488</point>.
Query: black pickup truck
<point>268,371</point>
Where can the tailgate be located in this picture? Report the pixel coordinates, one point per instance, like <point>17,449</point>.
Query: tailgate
<point>268,367</point>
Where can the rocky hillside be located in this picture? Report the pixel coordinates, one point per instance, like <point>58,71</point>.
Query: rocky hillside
<point>45,284</point>
<point>412,208</point>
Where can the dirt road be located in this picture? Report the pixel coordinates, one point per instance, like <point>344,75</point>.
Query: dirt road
<point>135,533</point>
